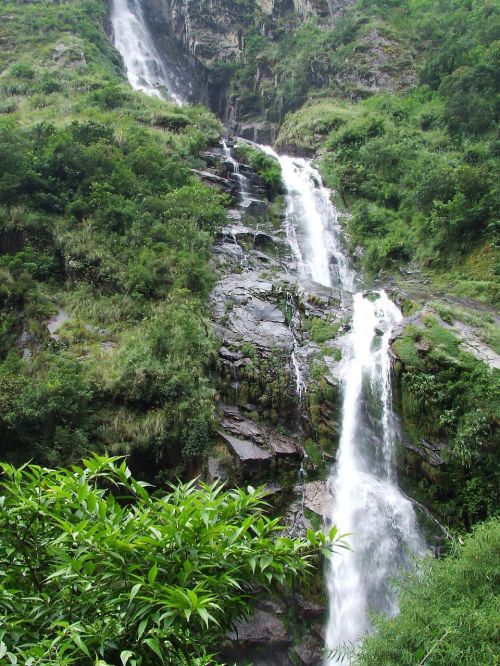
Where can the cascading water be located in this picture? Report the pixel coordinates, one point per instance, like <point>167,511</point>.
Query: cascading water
<point>312,225</point>
<point>145,68</point>
<point>366,500</point>
<point>243,181</point>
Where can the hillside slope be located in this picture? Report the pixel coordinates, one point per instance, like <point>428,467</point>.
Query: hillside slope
<point>105,237</point>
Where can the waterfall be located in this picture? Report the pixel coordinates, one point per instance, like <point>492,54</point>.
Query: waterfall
<point>366,499</point>
<point>146,70</point>
<point>243,181</point>
<point>312,225</point>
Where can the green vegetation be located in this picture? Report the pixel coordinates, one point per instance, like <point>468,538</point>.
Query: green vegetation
<point>449,615</point>
<point>266,166</point>
<point>264,381</point>
<point>98,570</point>
<point>449,395</point>
<point>321,330</point>
<point>418,170</point>
<point>483,324</point>
<point>288,59</point>
<point>99,216</point>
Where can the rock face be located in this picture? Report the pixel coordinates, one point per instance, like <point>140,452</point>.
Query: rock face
<point>205,43</point>
<point>262,314</point>
<point>262,639</point>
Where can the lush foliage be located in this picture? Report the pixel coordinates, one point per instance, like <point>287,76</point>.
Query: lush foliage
<point>449,395</point>
<point>95,569</point>
<point>448,614</point>
<point>102,222</point>
<point>418,170</point>
<point>266,166</point>
<point>289,58</point>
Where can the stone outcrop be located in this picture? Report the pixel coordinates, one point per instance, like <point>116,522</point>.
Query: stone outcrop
<point>263,639</point>
<point>205,41</point>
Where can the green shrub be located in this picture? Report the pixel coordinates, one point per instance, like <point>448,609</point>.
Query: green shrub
<point>448,613</point>
<point>321,330</point>
<point>97,568</point>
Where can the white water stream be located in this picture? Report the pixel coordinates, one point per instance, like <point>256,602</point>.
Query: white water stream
<point>366,498</point>
<point>145,68</point>
<point>367,501</point>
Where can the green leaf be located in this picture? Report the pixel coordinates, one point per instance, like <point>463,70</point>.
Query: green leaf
<point>142,627</point>
<point>154,645</point>
<point>134,591</point>
<point>326,552</point>
<point>311,537</point>
<point>80,644</point>
<point>206,616</point>
<point>125,656</point>
<point>153,572</point>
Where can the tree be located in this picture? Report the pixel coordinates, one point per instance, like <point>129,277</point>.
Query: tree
<point>97,569</point>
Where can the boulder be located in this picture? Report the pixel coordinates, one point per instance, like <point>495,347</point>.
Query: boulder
<point>317,497</point>
<point>282,448</point>
<point>263,627</point>
<point>309,609</point>
<point>309,652</point>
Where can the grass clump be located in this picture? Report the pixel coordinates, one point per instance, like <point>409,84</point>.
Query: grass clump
<point>321,330</point>
<point>266,166</point>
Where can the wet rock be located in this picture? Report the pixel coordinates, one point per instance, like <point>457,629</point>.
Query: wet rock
<point>254,208</point>
<point>234,215</point>
<point>230,355</point>
<point>264,650</point>
<point>317,497</point>
<point>263,628</point>
<point>430,452</point>
<point>218,181</point>
<point>316,297</point>
<point>308,608</point>
<point>215,470</point>
<point>415,320</point>
<point>334,376</point>
<point>238,426</point>
<point>382,328</point>
<point>282,448</point>
<point>314,496</point>
<point>273,488</point>
<point>252,460</point>
<point>253,316</point>
<point>309,652</point>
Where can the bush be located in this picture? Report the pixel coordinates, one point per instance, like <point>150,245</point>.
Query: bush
<point>97,569</point>
<point>448,613</point>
